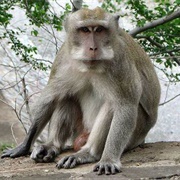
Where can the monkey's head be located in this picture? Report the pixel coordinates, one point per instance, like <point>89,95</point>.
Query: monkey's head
<point>91,37</point>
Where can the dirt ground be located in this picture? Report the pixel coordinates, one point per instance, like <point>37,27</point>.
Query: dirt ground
<point>152,161</point>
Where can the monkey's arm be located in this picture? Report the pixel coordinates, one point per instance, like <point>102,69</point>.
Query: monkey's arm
<point>42,114</point>
<point>95,141</point>
<point>121,129</point>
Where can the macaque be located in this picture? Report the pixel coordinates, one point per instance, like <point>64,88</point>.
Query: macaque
<point>102,94</point>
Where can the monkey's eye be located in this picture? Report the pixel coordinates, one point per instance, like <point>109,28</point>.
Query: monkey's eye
<point>100,29</point>
<point>84,29</point>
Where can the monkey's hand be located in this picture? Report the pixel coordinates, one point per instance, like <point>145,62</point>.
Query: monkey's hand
<point>75,159</point>
<point>44,153</point>
<point>107,167</point>
<point>21,150</point>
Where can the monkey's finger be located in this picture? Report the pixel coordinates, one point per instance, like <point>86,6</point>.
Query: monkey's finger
<point>113,170</point>
<point>50,156</point>
<point>69,162</point>
<point>6,153</point>
<point>117,169</point>
<point>101,170</point>
<point>6,150</point>
<point>73,164</point>
<point>107,170</point>
<point>61,162</point>
<point>12,153</point>
<point>96,168</point>
<point>38,153</point>
<point>15,154</point>
<point>41,152</point>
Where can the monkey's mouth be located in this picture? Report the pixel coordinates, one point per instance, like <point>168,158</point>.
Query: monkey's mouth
<point>91,62</point>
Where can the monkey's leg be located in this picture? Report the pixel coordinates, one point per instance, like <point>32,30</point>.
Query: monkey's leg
<point>145,121</point>
<point>42,113</point>
<point>92,150</point>
<point>63,123</point>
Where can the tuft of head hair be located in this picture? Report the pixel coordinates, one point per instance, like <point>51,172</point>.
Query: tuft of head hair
<point>97,14</point>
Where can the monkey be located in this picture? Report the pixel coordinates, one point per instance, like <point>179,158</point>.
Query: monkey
<point>102,94</point>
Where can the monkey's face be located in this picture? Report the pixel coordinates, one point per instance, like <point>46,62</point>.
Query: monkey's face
<point>90,36</point>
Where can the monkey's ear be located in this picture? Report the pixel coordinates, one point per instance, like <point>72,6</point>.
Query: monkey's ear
<point>65,24</point>
<point>116,17</point>
<point>77,4</point>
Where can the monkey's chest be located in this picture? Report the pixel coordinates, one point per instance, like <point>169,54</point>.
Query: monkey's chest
<point>90,103</point>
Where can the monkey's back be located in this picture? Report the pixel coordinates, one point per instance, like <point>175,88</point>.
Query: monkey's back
<point>149,80</point>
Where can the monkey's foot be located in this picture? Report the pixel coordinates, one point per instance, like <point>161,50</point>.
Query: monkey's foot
<point>44,153</point>
<point>20,150</point>
<point>107,167</point>
<point>75,159</point>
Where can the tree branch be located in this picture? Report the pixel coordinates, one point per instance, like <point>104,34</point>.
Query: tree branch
<point>15,110</point>
<point>155,23</point>
<point>77,4</point>
<point>170,52</point>
<point>169,100</point>
<point>166,51</point>
<point>26,98</point>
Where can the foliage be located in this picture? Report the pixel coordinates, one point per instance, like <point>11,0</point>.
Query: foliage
<point>39,14</point>
<point>161,42</point>
<point>4,146</point>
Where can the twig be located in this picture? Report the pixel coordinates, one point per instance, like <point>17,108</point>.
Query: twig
<point>26,98</point>
<point>60,5</point>
<point>167,89</point>
<point>12,131</point>
<point>41,60</point>
<point>55,39</point>
<point>166,51</point>
<point>15,113</point>
<point>164,73</point>
<point>169,100</point>
<point>162,57</point>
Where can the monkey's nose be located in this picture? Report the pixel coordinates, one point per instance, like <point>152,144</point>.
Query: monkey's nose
<point>93,48</point>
